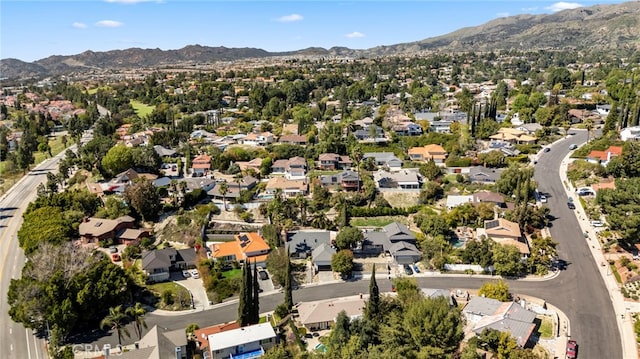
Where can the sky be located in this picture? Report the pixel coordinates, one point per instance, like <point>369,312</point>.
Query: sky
<point>34,29</point>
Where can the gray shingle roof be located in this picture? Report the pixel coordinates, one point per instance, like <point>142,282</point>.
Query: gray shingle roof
<point>307,241</point>
<point>324,252</point>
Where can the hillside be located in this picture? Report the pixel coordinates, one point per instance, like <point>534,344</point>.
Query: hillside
<point>610,28</point>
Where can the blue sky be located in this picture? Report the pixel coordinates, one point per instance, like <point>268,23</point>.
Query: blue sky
<point>31,30</point>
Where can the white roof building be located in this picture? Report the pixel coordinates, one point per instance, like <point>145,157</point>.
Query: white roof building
<point>630,134</point>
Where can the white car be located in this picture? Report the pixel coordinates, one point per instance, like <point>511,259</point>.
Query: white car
<point>597,224</point>
<point>543,198</point>
<point>195,274</point>
<point>186,274</point>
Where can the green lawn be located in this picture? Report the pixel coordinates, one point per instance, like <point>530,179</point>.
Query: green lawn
<point>232,273</point>
<point>546,328</point>
<point>376,221</point>
<point>142,109</point>
<point>179,293</point>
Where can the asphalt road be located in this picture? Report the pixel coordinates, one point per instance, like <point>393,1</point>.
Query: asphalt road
<point>15,340</point>
<point>579,291</point>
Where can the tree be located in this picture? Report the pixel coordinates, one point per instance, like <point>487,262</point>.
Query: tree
<point>340,333</point>
<point>246,297</point>
<point>430,170</point>
<point>255,305</point>
<point>116,321</point>
<point>143,198</point>
<point>373,305</point>
<point>113,208</point>
<point>507,260</point>
<point>24,156</point>
<point>288,285</point>
<point>342,262</point>
<point>117,159</point>
<point>348,237</point>
<point>43,225</point>
<point>497,289</point>
<point>136,314</point>
<point>432,192</point>
<point>224,189</point>
<point>433,323</point>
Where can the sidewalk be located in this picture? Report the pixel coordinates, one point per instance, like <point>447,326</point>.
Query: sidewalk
<point>622,309</point>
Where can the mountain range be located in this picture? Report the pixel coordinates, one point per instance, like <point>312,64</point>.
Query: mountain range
<point>610,28</point>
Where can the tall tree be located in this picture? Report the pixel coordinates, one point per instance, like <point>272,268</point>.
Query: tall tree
<point>255,304</point>
<point>116,321</point>
<point>373,305</point>
<point>143,197</point>
<point>136,314</point>
<point>288,285</point>
<point>224,189</point>
<point>244,306</point>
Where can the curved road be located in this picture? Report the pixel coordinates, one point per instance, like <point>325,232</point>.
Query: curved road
<point>579,291</point>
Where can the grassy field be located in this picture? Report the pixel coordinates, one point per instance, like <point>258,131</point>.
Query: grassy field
<point>546,328</point>
<point>9,179</point>
<point>232,273</point>
<point>376,221</point>
<point>141,108</point>
<point>95,90</point>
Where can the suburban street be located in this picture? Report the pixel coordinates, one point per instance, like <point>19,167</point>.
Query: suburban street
<point>15,340</point>
<point>579,291</point>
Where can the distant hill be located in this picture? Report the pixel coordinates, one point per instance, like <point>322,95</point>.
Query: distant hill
<point>596,28</point>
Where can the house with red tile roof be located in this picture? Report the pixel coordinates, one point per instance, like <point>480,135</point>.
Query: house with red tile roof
<point>201,164</point>
<point>603,157</point>
<point>249,247</point>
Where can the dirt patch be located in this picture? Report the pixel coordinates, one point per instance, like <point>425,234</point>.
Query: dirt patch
<point>401,200</point>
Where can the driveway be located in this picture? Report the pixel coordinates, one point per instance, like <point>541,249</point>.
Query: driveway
<point>195,287</point>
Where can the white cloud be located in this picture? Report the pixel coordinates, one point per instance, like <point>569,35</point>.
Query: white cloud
<point>563,5</point>
<point>502,14</point>
<point>109,23</point>
<point>290,18</point>
<point>79,25</point>
<point>354,35</point>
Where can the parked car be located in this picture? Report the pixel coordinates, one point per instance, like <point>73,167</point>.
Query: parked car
<point>571,205</point>
<point>263,275</point>
<point>597,224</point>
<point>416,269</point>
<point>573,146</point>
<point>543,198</point>
<point>407,269</point>
<point>195,274</point>
<point>547,149</point>
<point>308,335</point>
<point>115,257</point>
<point>572,349</point>
<point>186,274</point>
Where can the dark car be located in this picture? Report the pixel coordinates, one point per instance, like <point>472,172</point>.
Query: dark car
<point>263,275</point>
<point>407,269</point>
<point>571,205</point>
<point>572,349</point>
<point>547,149</point>
<point>308,335</point>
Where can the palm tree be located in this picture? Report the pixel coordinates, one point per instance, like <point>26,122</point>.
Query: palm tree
<point>301,202</point>
<point>115,320</point>
<point>136,314</point>
<point>237,178</point>
<point>224,189</point>
<point>588,124</point>
<point>566,125</point>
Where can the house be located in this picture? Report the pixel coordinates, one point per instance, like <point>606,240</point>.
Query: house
<point>202,334</point>
<point>247,342</point>
<point>513,135</point>
<point>233,188</point>
<point>407,129</point>
<point>289,188</point>
<point>603,157</point>
<point>164,152</point>
<point>384,159</point>
<point>301,243</point>
<point>504,232</point>
<point>476,198</point>
<point>347,180</point>
<point>403,180</point>
<point>254,164</point>
<point>158,263</point>
<point>120,181</point>
<point>440,126</point>
<point>94,230</point>
<point>575,115</point>
<point>258,139</point>
<point>331,161</point>
<point>429,152</point>
<point>373,134</point>
<point>385,240</point>
<point>246,247</point>
<point>203,183</point>
<point>294,168</point>
<point>155,344</point>
<point>529,128</point>
<point>364,123</point>
<point>201,165</point>
<point>322,315</point>
<point>321,257</point>
<point>290,129</point>
<point>458,200</point>
<point>509,317</point>
<point>630,134</point>
<point>293,139</point>
<point>484,175</point>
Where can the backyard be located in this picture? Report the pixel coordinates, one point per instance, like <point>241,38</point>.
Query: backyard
<point>142,109</point>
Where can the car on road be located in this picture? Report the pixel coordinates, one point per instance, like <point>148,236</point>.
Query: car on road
<point>572,349</point>
<point>407,269</point>
<point>186,274</point>
<point>573,146</point>
<point>543,198</point>
<point>194,273</point>
<point>571,205</point>
<point>547,149</point>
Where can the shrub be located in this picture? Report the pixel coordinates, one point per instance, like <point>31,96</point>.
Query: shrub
<point>167,297</point>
